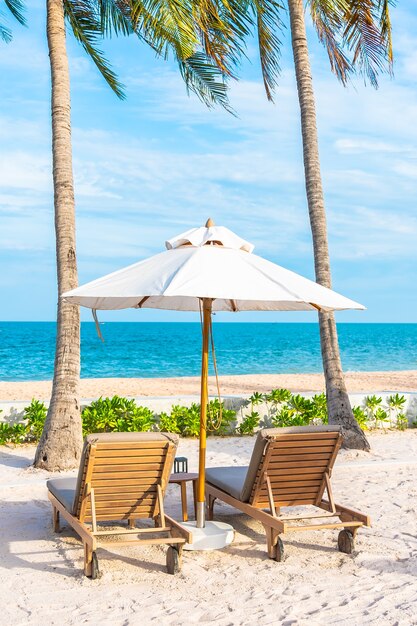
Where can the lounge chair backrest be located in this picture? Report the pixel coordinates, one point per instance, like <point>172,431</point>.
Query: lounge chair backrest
<point>124,470</point>
<point>296,460</point>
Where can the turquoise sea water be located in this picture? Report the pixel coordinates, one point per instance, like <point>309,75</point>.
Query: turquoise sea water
<point>173,349</point>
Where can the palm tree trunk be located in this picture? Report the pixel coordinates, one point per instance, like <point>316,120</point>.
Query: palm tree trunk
<point>61,441</point>
<point>339,409</point>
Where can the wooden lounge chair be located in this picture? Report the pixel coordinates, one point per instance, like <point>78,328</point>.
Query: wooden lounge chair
<point>122,477</point>
<point>289,467</point>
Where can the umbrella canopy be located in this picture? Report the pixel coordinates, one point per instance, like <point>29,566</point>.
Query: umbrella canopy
<point>210,262</point>
<point>207,269</point>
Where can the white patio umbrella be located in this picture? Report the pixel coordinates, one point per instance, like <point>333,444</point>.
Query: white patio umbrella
<point>208,269</point>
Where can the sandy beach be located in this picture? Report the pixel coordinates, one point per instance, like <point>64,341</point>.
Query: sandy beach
<point>239,385</point>
<point>41,580</point>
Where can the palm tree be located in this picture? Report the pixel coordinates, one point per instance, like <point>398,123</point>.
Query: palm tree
<point>16,8</point>
<point>360,27</point>
<point>201,51</point>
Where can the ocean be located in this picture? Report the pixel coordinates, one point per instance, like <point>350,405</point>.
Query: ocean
<point>162,349</point>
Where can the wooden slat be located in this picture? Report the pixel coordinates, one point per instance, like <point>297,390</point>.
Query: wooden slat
<point>321,464</point>
<point>303,448</point>
<point>310,443</point>
<point>112,517</point>
<point>138,485</point>
<point>123,492</point>
<point>299,456</point>
<point>283,484</point>
<point>130,495</point>
<point>295,475</point>
<point>126,504</point>
<point>309,436</point>
<point>117,475</point>
<point>121,482</point>
<point>278,493</point>
<point>120,457</point>
<point>263,504</point>
<point>131,467</point>
<point>117,511</point>
<point>130,445</point>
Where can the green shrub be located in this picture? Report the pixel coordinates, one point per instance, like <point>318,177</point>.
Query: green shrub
<point>249,423</point>
<point>116,414</point>
<point>12,433</point>
<point>168,424</point>
<point>35,415</point>
<point>220,421</point>
<point>360,417</point>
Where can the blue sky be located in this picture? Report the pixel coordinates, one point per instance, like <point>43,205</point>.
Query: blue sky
<point>160,162</point>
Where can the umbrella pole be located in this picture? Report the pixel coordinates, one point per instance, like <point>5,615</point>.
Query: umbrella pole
<point>201,499</point>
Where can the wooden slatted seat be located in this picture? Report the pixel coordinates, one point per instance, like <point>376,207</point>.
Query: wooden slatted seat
<point>289,467</point>
<point>122,478</point>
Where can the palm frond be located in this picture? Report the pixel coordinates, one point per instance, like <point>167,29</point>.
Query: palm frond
<point>201,76</point>
<point>386,29</point>
<point>5,33</point>
<point>223,26</point>
<point>17,9</point>
<point>115,17</point>
<point>363,36</point>
<point>86,27</point>
<point>269,24</point>
<point>327,17</point>
<point>165,25</point>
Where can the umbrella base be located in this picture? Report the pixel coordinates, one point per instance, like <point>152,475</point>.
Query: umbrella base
<point>214,536</point>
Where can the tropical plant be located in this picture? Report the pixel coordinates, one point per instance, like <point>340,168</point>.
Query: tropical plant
<point>220,420</point>
<point>249,423</point>
<point>204,40</point>
<point>395,406</point>
<point>361,417</point>
<point>17,9</point>
<point>35,416</point>
<point>116,414</point>
<point>372,404</point>
<point>357,36</point>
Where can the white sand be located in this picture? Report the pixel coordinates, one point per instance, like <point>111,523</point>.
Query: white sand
<point>243,384</point>
<point>41,580</point>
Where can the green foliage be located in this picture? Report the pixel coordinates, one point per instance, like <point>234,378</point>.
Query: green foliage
<point>116,414</point>
<point>249,423</point>
<point>219,419</point>
<point>395,406</point>
<point>12,433</point>
<point>168,424</point>
<point>35,415</point>
<point>124,415</point>
<point>186,420</point>
<point>360,417</point>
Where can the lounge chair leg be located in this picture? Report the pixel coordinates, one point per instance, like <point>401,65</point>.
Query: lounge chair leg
<point>55,519</point>
<point>274,544</point>
<point>210,507</point>
<point>88,557</point>
<point>131,522</point>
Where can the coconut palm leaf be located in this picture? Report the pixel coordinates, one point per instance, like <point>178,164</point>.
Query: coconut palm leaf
<point>5,33</point>
<point>223,27</point>
<point>17,9</point>
<point>328,17</point>
<point>201,77</point>
<point>363,37</point>
<point>386,30</point>
<point>86,25</point>
<point>268,25</point>
<point>115,17</point>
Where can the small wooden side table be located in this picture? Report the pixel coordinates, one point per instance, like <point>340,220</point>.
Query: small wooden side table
<point>181,478</point>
